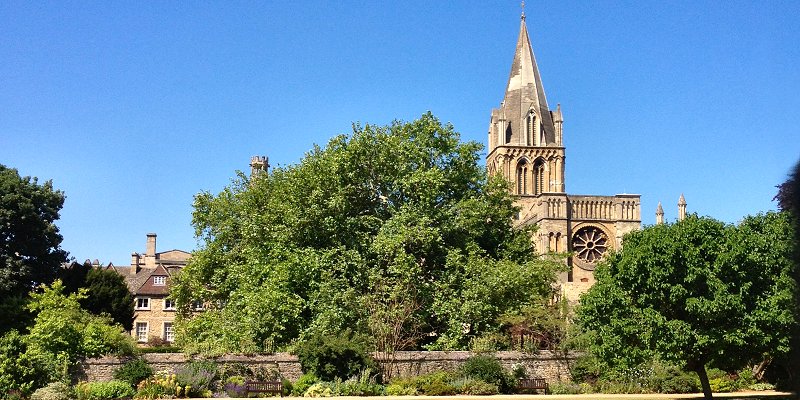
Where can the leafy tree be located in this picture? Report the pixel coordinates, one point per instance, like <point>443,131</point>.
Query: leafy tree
<point>788,198</point>
<point>19,369</point>
<point>30,251</point>
<point>64,333</point>
<point>107,293</point>
<point>697,292</point>
<point>294,253</point>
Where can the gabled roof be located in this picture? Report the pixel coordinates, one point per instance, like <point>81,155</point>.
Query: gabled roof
<point>149,286</point>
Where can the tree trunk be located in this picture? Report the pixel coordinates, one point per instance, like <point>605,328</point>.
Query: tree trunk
<point>701,372</point>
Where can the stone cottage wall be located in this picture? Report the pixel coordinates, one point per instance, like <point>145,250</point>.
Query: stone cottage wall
<point>544,364</point>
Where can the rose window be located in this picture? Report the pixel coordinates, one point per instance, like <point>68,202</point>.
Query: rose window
<point>590,244</point>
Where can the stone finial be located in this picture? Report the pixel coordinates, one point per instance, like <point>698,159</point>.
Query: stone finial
<point>681,208</point>
<point>659,214</point>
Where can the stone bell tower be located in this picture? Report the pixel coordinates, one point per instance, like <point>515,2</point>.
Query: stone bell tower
<point>526,147</point>
<point>525,137</point>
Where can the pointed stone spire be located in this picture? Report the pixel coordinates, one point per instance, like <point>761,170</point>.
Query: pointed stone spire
<point>524,96</point>
<point>681,208</point>
<point>659,214</point>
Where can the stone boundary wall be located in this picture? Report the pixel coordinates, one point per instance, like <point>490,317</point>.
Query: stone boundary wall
<point>544,364</point>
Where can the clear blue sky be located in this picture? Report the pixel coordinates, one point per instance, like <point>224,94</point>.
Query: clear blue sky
<point>131,108</point>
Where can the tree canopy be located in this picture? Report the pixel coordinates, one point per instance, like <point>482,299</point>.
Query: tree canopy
<point>404,207</point>
<point>106,291</point>
<point>62,334</point>
<point>698,292</point>
<point>30,252</point>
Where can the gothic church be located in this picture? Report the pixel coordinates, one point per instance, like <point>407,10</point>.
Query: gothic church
<point>526,147</point>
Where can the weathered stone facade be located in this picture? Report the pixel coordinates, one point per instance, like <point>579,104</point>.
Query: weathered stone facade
<point>544,364</point>
<point>526,147</point>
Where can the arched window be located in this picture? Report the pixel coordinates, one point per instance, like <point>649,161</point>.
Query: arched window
<point>538,177</point>
<point>530,129</point>
<point>522,177</point>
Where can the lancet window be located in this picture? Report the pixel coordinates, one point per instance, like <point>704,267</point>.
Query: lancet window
<point>522,177</point>
<point>538,177</point>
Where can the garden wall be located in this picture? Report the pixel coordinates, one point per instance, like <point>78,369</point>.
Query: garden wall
<point>544,364</point>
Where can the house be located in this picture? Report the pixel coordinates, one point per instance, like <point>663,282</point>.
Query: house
<point>148,278</point>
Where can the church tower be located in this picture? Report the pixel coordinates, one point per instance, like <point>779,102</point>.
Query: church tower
<point>524,135</point>
<point>525,146</point>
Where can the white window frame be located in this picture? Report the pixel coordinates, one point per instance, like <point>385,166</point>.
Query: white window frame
<point>198,305</point>
<point>139,300</point>
<point>166,335</point>
<point>166,305</point>
<point>159,280</point>
<point>142,338</point>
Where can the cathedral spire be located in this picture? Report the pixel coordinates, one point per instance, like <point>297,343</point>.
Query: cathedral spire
<point>524,103</point>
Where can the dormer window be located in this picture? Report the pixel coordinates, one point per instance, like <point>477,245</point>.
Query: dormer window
<point>159,280</point>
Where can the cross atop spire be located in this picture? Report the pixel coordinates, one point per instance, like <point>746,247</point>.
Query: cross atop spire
<point>523,10</point>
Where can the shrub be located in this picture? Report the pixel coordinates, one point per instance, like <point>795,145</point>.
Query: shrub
<point>303,383</point>
<point>160,385</point>
<point>331,357</point>
<point>104,390</point>
<point>53,391</point>
<point>364,384</point>
<point>586,369</point>
<point>721,381</point>
<point>745,378</point>
<point>619,387</point>
<point>489,342</point>
<point>134,371</point>
<point>722,384</point>
<point>472,386</point>
<point>761,386</point>
<point>319,389</point>
<point>435,384</point>
<point>196,378</point>
<point>20,370</point>
<point>518,371</point>
<point>672,379</point>
<point>567,388</point>
<point>397,389</point>
<point>234,386</point>
<point>489,370</point>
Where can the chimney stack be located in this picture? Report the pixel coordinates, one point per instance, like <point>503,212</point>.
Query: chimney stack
<point>150,254</point>
<point>134,263</point>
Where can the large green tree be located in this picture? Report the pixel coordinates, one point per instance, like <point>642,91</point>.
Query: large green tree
<point>698,292</point>
<point>106,291</point>
<point>62,334</point>
<point>30,252</point>
<point>789,201</point>
<point>298,251</point>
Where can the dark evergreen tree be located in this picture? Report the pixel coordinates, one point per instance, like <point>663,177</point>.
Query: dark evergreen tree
<point>107,293</point>
<point>30,244</point>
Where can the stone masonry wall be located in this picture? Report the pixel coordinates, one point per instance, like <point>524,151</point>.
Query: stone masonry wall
<point>406,363</point>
